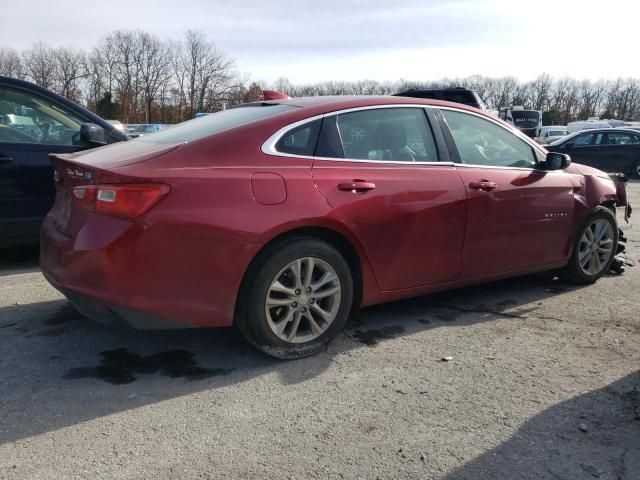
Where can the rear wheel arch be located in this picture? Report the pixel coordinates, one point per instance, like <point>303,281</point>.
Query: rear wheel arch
<point>330,236</point>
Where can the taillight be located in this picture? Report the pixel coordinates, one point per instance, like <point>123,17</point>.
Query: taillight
<point>126,200</point>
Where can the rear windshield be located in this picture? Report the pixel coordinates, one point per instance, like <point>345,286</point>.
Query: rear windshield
<point>216,122</point>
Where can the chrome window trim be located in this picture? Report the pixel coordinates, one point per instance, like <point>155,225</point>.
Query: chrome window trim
<point>269,146</point>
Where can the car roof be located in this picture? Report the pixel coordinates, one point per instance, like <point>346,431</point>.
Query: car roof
<point>325,104</point>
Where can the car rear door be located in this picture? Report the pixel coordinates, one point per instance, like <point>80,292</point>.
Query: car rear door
<point>622,152</point>
<point>380,169</point>
<point>31,127</point>
<point>519,217</point>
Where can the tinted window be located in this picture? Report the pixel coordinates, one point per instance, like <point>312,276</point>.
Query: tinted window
<point>386,134</point>
<point>461,96</point>
<point>586,139</point>
<point>301,140</point>
<point>28,118</point>
<point>482,142</point>
<point>214,123</point>
<point>621,138</point>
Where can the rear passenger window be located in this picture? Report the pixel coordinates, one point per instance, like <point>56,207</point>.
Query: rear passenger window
<point>482,142</point>
<point>300,140</point>
<point>385,134</point>
<point>621,138</point>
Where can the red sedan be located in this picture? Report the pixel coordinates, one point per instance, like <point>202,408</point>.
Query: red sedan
<point>280,217</point>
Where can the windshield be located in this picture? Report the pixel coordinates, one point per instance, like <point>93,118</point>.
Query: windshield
<point>216,122</point>
<point>526,118</point>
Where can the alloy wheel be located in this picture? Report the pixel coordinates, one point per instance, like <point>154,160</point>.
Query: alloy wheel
<point>596,247</point>
<point>303,300</point>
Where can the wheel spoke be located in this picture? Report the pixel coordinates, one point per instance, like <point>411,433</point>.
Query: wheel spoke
<point>599,230</point>
<point>279,302</point>
<point>323,280</point>
<point>589,233</point>
<point>315,328</point>
<point>280,288</point>
<point>584,255</point>
<point>326,316</point>
<point>329,292</point>
<point>296,270</point>
<point>311,264</point>
<point>282,324</point>
<point>296,324</point>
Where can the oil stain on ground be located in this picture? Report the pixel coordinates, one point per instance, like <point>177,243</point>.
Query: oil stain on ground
<point>121,366</point>
<point>372,336</point>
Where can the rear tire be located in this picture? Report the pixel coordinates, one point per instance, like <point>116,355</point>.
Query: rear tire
<point>636,170</point>
<point>594,248</point>
<point>296,299</point>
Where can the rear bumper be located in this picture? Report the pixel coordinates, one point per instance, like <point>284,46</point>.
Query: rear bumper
<point>107,314</point>
<point>147,276</point>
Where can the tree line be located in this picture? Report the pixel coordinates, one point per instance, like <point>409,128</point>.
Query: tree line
<point>135,76</point>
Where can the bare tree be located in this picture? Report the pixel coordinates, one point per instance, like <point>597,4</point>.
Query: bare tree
<point>70,68</point>
<point>39,64</point>
<point>154,69</point>
<point>10,63</point>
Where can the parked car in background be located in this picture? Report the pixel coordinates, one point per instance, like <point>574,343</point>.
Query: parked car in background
<point>33,123</point>
<point>280,217</point>
<point>129,128</point>
<point>461,95</point>
<point>147,128</point>
<point>551,133</point>
<point>609,149</point>
<point>590,124</point>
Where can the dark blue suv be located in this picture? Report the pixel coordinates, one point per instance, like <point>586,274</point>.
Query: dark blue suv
<point>33,123</point>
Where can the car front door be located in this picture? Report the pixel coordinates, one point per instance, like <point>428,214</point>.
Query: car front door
<point>31,127</point>
<point>586,149</point>
<point>519,216</point>
<point>380,169</point>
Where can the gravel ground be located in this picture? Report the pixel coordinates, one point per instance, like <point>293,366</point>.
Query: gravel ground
<point>543,383</point>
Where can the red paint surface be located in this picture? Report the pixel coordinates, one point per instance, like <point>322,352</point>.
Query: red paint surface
<point>421,229</point>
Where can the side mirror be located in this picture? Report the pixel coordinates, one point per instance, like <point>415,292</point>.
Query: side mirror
<point>92,135</point>
<point>568,145</point>
<point>557,161</point>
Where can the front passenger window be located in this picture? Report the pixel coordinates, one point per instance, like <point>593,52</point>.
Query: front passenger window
<point>29,119</point>
<point>482,142</point>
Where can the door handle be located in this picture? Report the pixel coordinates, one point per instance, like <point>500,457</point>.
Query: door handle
<point>356,186</point>
<point>484,185</point>
<point>5,160</point>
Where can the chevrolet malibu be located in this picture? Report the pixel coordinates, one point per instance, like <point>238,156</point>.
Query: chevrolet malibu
<point>280,217</point>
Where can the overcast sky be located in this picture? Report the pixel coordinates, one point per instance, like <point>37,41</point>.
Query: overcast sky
<point>308,41</point>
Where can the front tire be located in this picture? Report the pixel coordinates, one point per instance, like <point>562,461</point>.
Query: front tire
<point>296,299</point>
<point>594,248</point>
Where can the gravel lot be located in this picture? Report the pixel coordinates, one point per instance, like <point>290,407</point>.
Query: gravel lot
<point>544,382</point>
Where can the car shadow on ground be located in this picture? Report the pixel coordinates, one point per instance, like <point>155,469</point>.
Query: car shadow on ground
<point>59,369</point>
<point>595,435</point>
<point>16,260</point>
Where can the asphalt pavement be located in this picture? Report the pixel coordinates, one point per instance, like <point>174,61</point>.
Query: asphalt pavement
<point>527,378</point>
